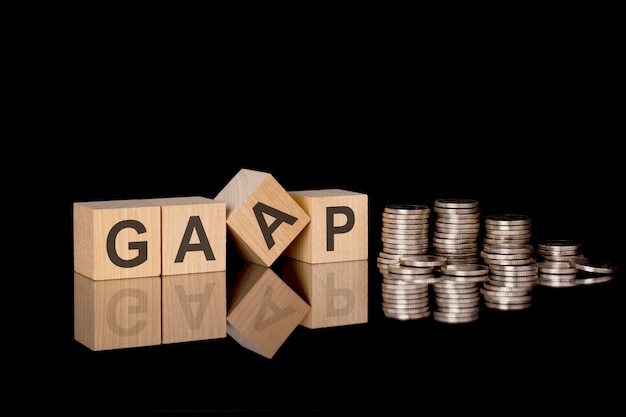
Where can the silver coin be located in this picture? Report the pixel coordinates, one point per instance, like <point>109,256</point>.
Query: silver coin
<point>454,318</point>
<point>512,273</point>
<point>451,284</point>
<point>456,203</point>
<point>507,218</point>
<point>415,305</point>
<point>408,310</point>
<point>461,302</point>
<point>511,292</point>
<point>509,241</point>
<point>460,227</point>
<point>406,208</point>
<point>456,211</point>
<point>593,279</point>
<point>507,248</point>
<point>410,270</point>
<point>598,266</point>
<point>557,277</point>
<point>557,283</point>
<point>406,316</point>
<point>534,267</point>
<point>463,293</point>
<point>506,306</point>
<point>504,256</point>
<point>459,310</point>
<point>458,216</point>
<point>508,299</point>
<point>547,267</point>
<point>424,260</point>
<point>509,262</point>
<point>404,246</point>
<point>470,288</point>
<point>398,284</point>
<point>557,245</point>
<point>465,270</point>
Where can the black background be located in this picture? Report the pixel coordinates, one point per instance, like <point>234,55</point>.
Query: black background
<point>518,128</point>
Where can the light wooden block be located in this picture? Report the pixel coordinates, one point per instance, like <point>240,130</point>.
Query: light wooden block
<point>263,310</point>
<point>262,218</point>
<point>194,307</point>
<point>117,239</point>
<point>193,235</point>
<point>336,291</point>
<point>117,313</point>
<point>338,229</point>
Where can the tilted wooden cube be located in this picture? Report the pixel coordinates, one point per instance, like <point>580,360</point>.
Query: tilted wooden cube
<point>336,291</point>
<point>194,306</point>
<point>193,234</point>
<point>117,313</point>
<point>338,229</point>
<point>147,237</point>
<point>261,217</point>
<point>117,239</point>
<point>262,310</point>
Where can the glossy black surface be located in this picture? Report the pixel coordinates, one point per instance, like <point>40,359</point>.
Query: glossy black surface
<point>516,144</point>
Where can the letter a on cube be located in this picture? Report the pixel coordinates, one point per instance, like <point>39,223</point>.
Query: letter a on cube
<point>193,234</point>
<point>261,217</point>
<point>338,229</point>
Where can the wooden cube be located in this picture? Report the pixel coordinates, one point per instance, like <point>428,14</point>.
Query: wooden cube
<point>338,229</point>
<point>261,217</point>
<point>117,239</point>
<point>117,313</point>
<point>193,306</point>
<point>336,291</point>
<point>193,235</point>
<point>262,310</point>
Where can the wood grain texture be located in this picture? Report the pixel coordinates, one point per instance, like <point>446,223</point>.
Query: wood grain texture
<point>336,291</point>
<point>338,229</point>
<point>117,313</point>
<point>250,196</point>
<point>262,310</point>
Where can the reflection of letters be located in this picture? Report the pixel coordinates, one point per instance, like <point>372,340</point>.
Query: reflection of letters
<point>141,257</point>
<point>140,307</point>
<point>332,230</point>
<point>194,320</point>
<point>260,323</point>
<point>195,224</point>
<point>334,293</point>
<point>280,217</point>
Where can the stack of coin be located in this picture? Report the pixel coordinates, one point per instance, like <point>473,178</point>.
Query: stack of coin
<point>404,232</point>
<point>513,269</point>
<point>563,264</point>
<point>456,230</point>
<point>457,295</point>
<point>405,286</point>
<point>410,279</point>
<point>555,269</point>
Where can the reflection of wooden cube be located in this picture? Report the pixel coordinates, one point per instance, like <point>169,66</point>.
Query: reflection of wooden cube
<point>337,291</point>
<point>117,313</point>
<point>262,310</point>
<point>261,216</point>
<point>194,306</point>
<point>338,230</point>
<point>117,239</point>
<point>193,234</point>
